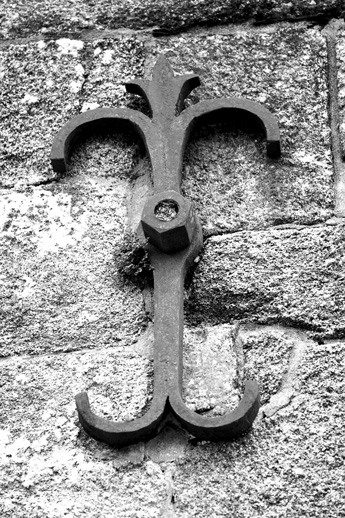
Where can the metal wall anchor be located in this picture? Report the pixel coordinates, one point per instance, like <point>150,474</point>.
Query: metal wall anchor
<point>173,243</point>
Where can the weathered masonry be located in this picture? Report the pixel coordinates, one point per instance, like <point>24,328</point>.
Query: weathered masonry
<point>263,299</point>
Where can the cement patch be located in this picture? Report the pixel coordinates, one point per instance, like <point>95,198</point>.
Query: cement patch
<point>60,286</point>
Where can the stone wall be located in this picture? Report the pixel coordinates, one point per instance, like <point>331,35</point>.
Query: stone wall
<point>265,299</point>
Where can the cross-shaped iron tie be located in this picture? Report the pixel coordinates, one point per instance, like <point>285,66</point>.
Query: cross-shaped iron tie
<point>173,243</point>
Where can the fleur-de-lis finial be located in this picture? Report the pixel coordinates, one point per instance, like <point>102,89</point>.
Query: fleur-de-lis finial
<point>173,244</point>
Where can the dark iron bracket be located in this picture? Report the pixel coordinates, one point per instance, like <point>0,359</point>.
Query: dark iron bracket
<point>173,242</point>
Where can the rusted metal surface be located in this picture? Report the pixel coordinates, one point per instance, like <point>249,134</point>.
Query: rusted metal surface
<point>168,235</point>
<point>174,242</point>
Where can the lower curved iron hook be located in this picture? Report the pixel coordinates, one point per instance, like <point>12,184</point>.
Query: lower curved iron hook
<point>169,275</point>
<point>228,426</point>
<point>225,427</point>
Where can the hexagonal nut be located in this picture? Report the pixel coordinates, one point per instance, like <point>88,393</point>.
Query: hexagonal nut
<point>168,230</point>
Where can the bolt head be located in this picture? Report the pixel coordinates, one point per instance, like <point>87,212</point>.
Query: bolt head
<point>170,234</point>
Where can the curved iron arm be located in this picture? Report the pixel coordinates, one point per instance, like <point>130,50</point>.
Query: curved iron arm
<point>241,111</point>
<point>91,120</point>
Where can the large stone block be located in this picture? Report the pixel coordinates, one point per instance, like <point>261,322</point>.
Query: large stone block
<point>20,19</point>
<point>293,276</point>
<point>49,466</point>
<point>42,88</point>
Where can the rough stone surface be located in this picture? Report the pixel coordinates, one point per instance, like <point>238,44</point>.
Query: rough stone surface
<point>129,456</point>
<point>228,176</point>
<point>292,276</point>
<point>43,87</point>
<point>60,286</point>
<point>48,18</point>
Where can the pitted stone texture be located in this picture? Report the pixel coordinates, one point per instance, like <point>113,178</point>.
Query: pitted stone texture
<point>291,276</point>
<point>21,19</point>
<point>227,175</point>
<point>43,86</point>
<point>129,456</point>
<point>40,88</point>
<point>60,285</point>
<point>288,465</point>
<point>113,62</point>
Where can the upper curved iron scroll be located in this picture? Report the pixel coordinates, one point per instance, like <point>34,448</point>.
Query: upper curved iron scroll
<point>173,245</point>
